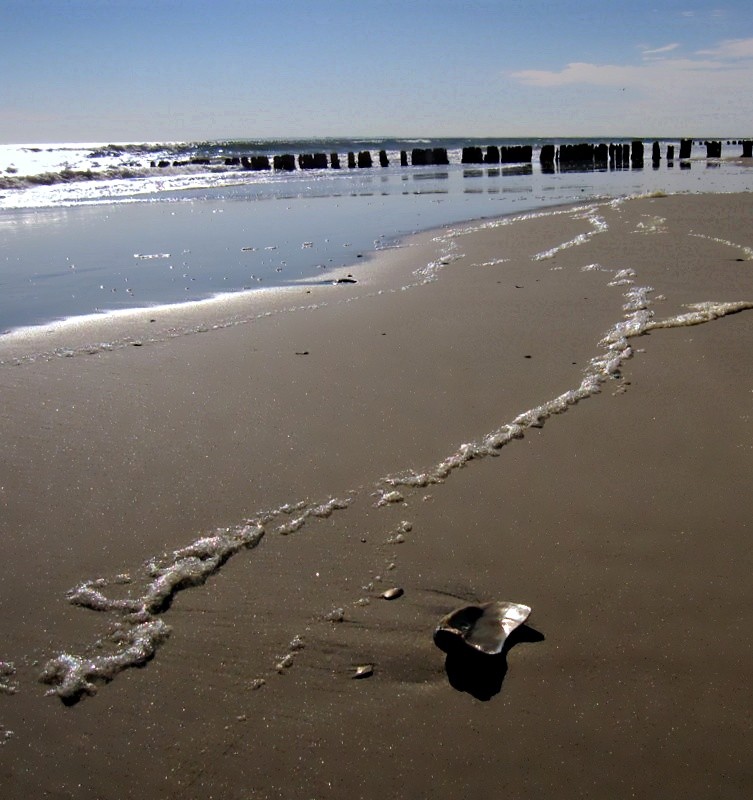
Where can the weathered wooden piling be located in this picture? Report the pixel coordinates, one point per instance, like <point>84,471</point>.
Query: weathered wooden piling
<point>601,155</point>
<point>256,163</point>
<point>492,155</point>
<point>655,153</point>
<point>422,157</point>
<point>636,154</point>
<point>383,160</point>
<point>747,148</point>
<point>284,162</point>
<point>670,152</point>
<point>546,157</point>
<point>577,154</point>
<point>312,161</point>
<point>403,158</point>
<point>418,157</point>
<point>518,154</point>
<point>439,156</point>
<point>713,149</point>
<point>472,155</point>
<point>364,159</point>
<point>351,160</point>
<point>334,160</point>
<point>686,146</point>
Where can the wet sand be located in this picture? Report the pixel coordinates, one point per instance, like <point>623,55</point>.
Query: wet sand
<point>624,523</point>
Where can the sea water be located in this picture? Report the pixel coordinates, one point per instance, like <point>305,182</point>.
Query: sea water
<point>89,229</point>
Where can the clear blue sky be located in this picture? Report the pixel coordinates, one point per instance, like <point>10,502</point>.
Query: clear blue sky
<point>132,70</point>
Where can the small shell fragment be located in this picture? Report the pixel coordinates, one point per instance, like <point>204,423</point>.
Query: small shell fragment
<point>393,594</point>
<point>483,627</point>
<point>363,671</point>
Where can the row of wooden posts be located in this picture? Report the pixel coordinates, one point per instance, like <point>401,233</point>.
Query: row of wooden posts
<point>617,155</point>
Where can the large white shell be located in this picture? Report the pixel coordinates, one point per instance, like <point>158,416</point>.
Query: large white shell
<point>484,627</point>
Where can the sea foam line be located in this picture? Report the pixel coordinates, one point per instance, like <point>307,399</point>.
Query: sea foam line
<point>139,631</point>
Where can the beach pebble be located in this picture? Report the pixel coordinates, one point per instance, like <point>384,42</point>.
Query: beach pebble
<point>393,594</point>
<point>257,683</point>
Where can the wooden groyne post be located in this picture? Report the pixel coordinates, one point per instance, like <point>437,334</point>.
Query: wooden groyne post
<point>713,149</point>
<point>585,155</point>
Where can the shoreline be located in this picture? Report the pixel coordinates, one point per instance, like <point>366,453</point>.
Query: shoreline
<point>621,522</point>
<point>90,333</point>
<point>65,262</point>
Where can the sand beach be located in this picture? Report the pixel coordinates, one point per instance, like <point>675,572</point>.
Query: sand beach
<point>558,412</point>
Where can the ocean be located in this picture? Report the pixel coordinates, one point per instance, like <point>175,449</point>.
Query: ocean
<point>91,229</point>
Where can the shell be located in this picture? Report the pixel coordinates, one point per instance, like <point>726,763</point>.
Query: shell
<point>483,627</point>
<point>363,671</point>
<point>392,594</point>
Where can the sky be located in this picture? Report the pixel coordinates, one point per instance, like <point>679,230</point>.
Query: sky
<point>185,70</point>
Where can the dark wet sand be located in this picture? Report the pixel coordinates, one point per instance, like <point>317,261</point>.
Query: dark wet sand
<point>624,523</point>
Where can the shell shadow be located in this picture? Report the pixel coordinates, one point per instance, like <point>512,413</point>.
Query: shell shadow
<point>479,674</point>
